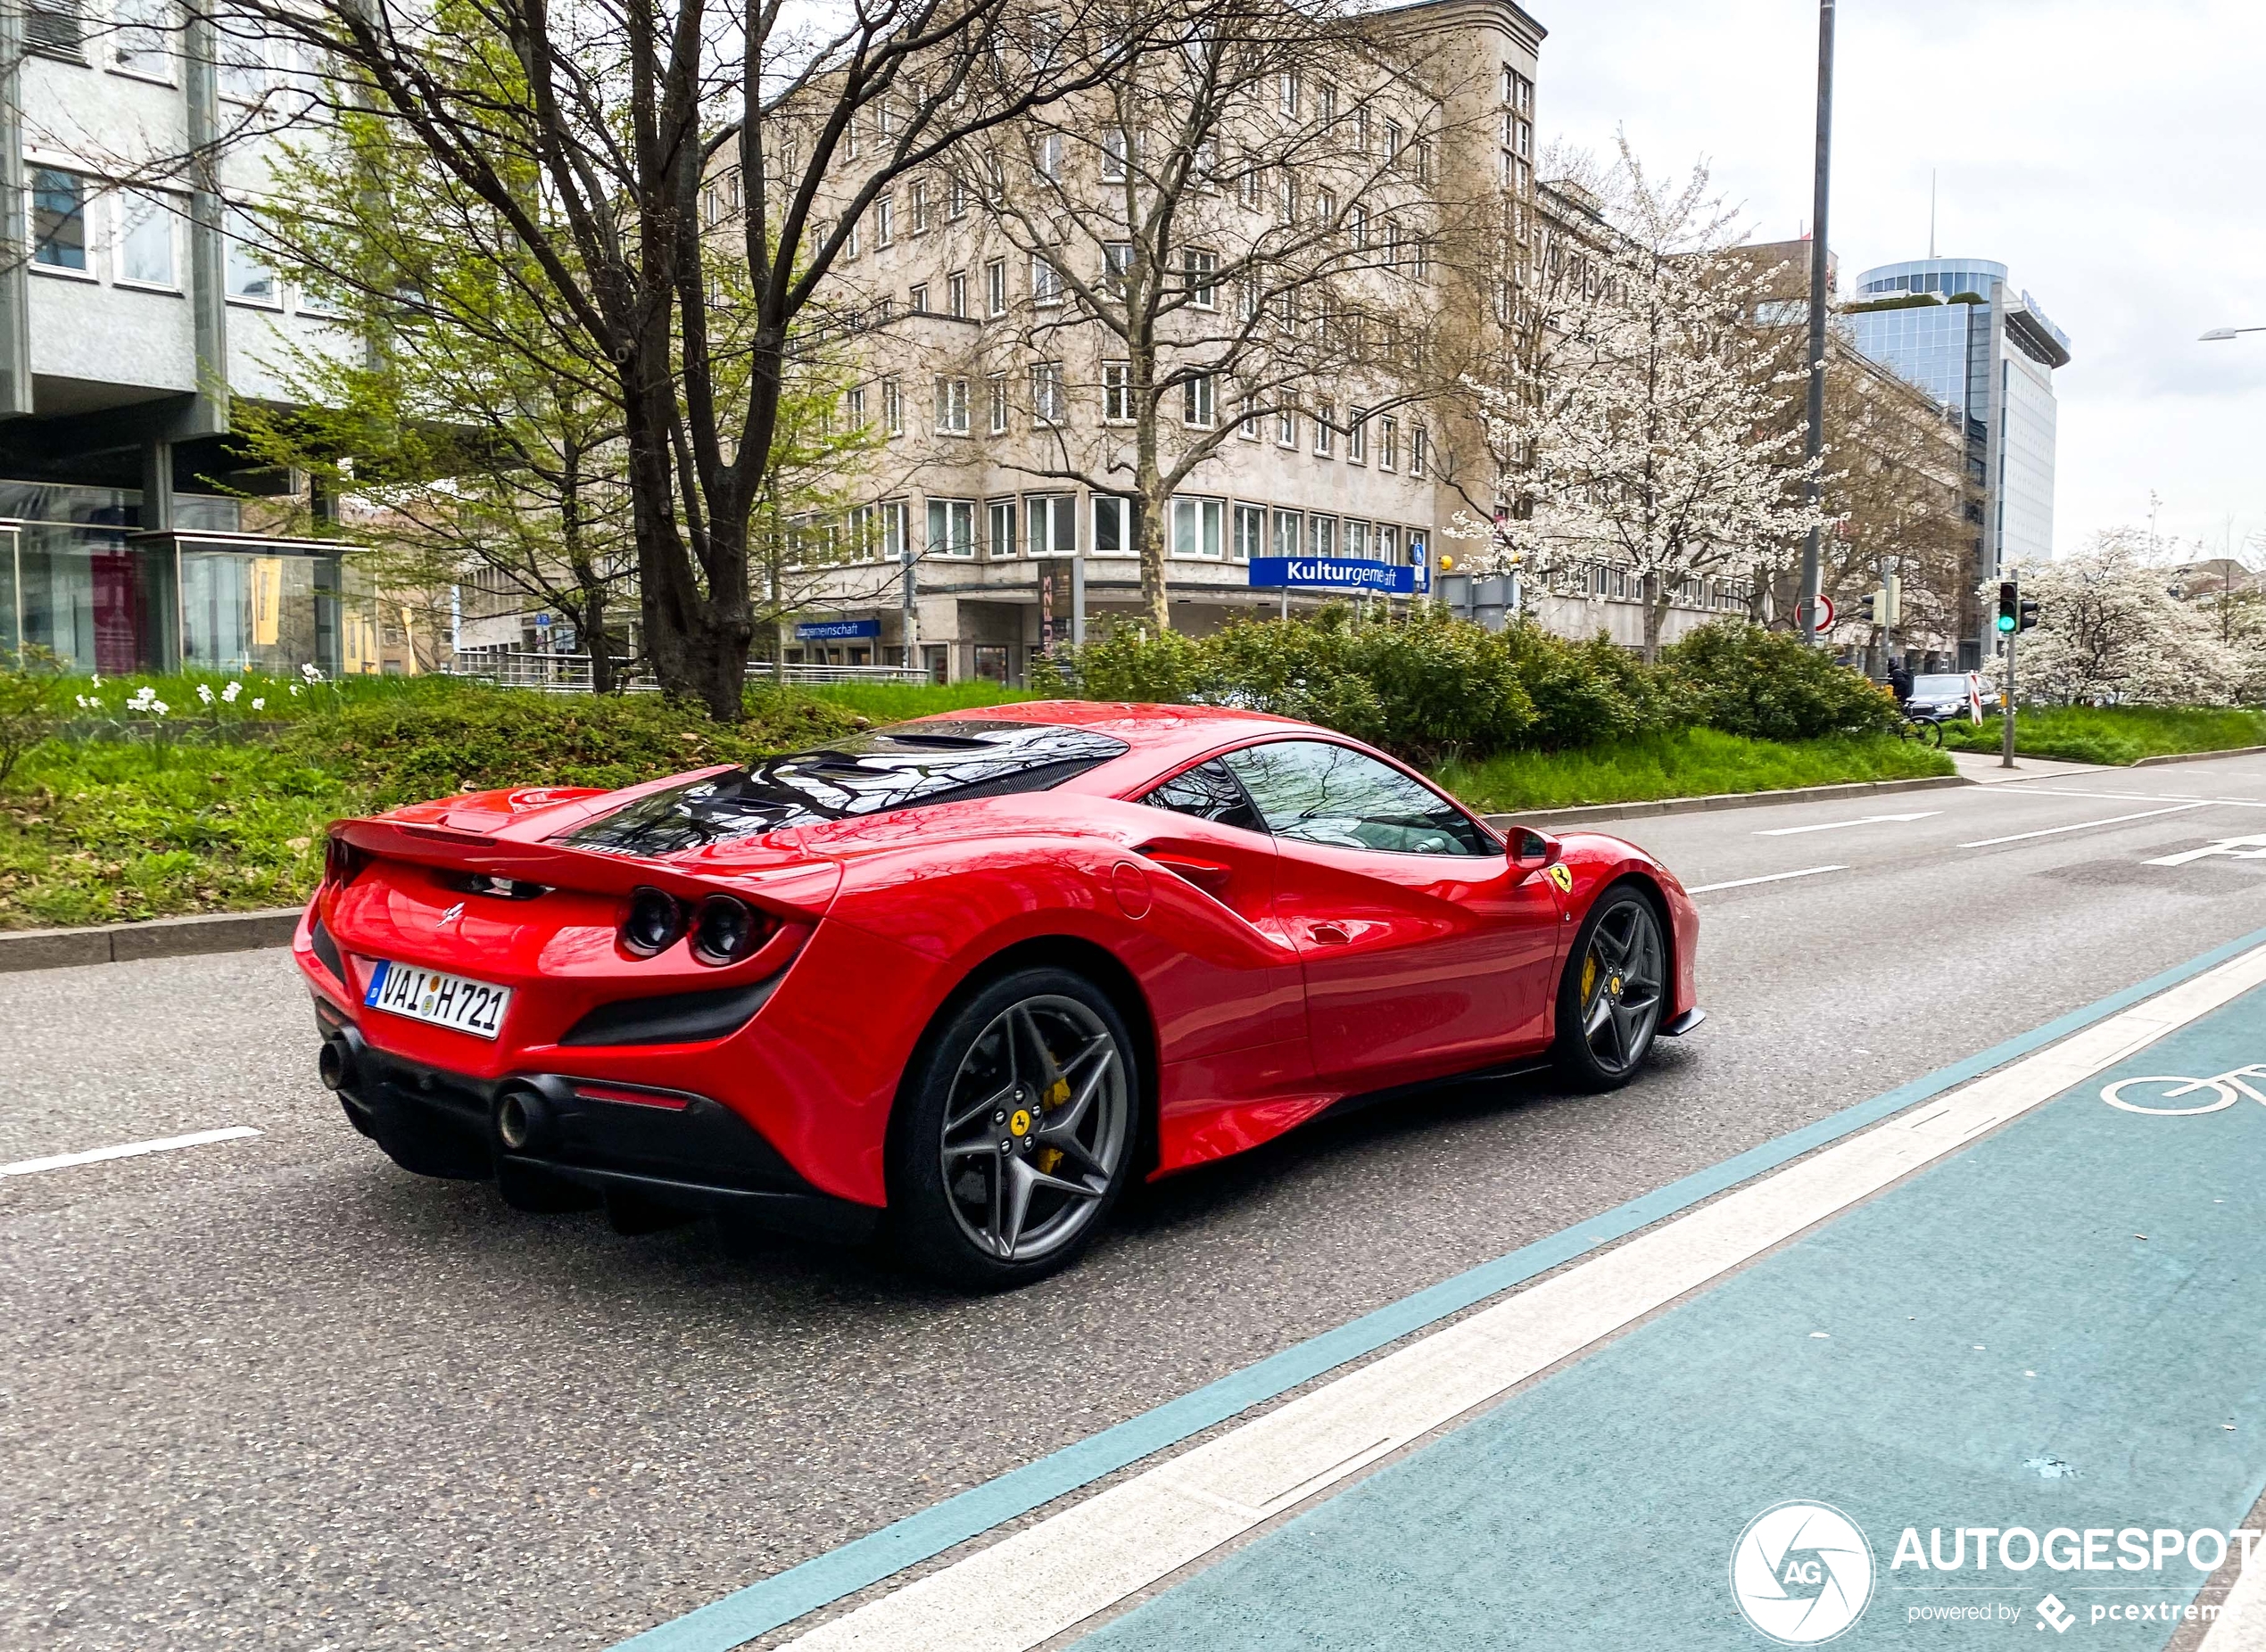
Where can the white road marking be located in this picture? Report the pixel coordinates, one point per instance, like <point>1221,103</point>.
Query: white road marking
<point>2242,1616</point>
<point>2114,820</point>
<point>2133,797</point>
<point>2239,848</point>
<point>1792,831</point>
<point>1047,1578</point>
<point>1776,877</point>
<point>131,1150</point>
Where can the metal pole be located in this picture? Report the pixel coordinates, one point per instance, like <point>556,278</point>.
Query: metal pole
<point>1814,448</point>
<point>2006,718</point>
<point>912,610</point>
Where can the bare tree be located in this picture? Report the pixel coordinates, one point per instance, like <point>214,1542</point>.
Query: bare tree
<point>583,135</point>
<point>1209,236</point>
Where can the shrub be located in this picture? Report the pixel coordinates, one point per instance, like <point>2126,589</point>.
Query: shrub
<point>1766,685</point>
<point>412,747</point>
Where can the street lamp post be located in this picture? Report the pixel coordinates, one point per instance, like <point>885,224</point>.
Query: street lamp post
<point>1814,448</point>
<point>2216,334</point>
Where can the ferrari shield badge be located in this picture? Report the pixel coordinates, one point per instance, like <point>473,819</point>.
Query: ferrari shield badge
<point>1562,875</point>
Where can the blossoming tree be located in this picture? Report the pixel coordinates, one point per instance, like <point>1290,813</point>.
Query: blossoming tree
<point>2111,627</point>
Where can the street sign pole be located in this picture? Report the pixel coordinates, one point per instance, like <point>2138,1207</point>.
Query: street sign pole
<point>1813,446</point>
<point>2006,718</point>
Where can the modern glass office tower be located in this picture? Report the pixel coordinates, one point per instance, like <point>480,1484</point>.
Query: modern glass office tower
<point>1987,353</point>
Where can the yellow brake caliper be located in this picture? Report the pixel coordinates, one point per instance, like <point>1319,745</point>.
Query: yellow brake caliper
<point>1049,1157</point>
<point>1589,978</point>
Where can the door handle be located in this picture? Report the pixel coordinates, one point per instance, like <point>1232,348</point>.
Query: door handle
<point>1212,877</point>
<point>1328,934</point>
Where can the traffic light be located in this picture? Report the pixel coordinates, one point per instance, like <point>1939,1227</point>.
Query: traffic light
<point>2009,620</point>
<point>2029,615</point>
<point>1875,609</point>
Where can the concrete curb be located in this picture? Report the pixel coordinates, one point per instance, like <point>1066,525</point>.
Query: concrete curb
<point>1723,800</point>
<point>158,937</point>
<point>2197,756</point>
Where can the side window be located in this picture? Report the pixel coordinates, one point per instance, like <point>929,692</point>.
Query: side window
<point>1322,793</point>
<point>1210,793</point>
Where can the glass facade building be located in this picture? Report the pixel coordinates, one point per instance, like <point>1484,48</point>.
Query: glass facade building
<point>1986,353</point>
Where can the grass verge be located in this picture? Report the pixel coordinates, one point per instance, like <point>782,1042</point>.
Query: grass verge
<point>1689,763</point>
<point>2115,734</point>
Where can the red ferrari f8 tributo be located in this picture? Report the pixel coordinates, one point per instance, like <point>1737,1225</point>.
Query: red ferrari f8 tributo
<point>965,976</point>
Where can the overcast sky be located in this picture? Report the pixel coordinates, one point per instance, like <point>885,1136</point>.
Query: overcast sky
<point>2113,157</point>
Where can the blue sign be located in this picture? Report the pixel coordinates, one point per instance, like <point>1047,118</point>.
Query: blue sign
<point>1334,574</point>
<point>835,631</point>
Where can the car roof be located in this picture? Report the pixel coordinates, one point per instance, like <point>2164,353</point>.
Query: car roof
<point>1144,727</point>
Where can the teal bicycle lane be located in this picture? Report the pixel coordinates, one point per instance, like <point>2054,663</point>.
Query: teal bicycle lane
<point>2060,1328</point>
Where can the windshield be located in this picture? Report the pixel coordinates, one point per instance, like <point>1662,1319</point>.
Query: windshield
<point>1938,688</point>
<point>902,766</point>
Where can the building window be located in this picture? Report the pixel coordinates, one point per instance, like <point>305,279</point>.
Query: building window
<point>1357,540</point>
<point>142,44</point>
<point>1287,92</point>
<point>1249,429</point>
<point>1394,140</point>
<point>249,277</point>
<point>243,71</point>
<point>1325,434</point>
<point>999,529</point>
<point>1113,526</point>
<point>952,406</point>
<point>1117,266</point>
<point>995,286</point>
<point>58,219</point>
<point>1052,522</point>
<point>956,200</point>
<point>1048,154</point>
<point>1388,444</point>
<point>1388,543</point>
<point>1321,536</point>
<point>1287,428</point>
<point>1357,435</point>
<point>1117,392</point>
<point>1420,258</point>
<point>1249,183</point>
<point>1048,403</point>
<point>1045,282</point>
<point>145,240</point>
<point>1289,528</point>
<point>1251,531</point>
<point>996,394</point>
<point>952,527</point>
<point>1424,161</point>
<point>1197,528</point>
<point>1201,267</point>
<point>893,529</point>
<point>1113,155</point>
<point>1286,196</point>
<point>884,222</point>
<point>920,207</point>
<point>956,292</point>
<point>1419,451</point>
<point>1357,227</point>
<point>1326,104</point>
<point>1197,406</point>
<point>1361,127</point>
<point>850,239</point>
<point>893,406</point>
<point>918,298</point>
<point>858,408</point>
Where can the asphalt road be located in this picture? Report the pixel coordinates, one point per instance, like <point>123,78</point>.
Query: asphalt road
<point>274,1393</point>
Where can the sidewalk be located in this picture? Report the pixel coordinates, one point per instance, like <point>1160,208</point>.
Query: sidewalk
<point>2051,1333</point>
<point>1985,768</point>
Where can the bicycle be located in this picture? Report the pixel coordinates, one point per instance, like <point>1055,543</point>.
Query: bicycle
<point>1924,730</point>
<point>2228,1088</point>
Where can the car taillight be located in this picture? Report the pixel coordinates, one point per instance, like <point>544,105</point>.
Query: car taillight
<point>656,920</point>
<point>727,930</point>
<point>342,861</point>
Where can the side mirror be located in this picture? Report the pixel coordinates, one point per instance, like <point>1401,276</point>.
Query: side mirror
<point>1534,850</point>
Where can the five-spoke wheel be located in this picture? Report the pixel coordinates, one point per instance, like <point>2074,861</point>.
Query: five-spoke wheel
<point>1614,987</point>
<point>1020,1132</point>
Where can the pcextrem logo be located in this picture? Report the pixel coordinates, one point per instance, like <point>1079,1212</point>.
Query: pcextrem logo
<point>1801,1573</point>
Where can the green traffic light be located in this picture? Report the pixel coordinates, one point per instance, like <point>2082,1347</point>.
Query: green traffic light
<point>2006,621</point>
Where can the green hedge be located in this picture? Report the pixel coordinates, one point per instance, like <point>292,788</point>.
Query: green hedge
<point>1433,689</point>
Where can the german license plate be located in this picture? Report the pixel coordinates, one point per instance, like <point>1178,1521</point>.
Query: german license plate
<point>449,1000</point>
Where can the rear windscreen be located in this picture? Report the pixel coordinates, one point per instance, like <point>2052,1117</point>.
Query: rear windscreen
<point>902,766</point>
<point>1939,688</point>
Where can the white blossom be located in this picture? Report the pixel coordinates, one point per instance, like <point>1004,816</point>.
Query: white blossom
<point>205,692</point>
<point>1649,427</point>
<point>229,694</point>
<point>313,673</point>
<point>260,704</point>
<point>2110,629</point>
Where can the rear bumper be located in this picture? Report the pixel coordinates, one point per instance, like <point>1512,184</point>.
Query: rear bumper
<point>668,1147</point>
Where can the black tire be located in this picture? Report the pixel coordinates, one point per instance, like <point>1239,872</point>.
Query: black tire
<point>1042,1048</point>
<point>1613,992</point>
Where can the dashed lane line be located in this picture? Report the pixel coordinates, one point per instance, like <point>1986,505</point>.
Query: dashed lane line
<point>2053,831</point>
<point>130,1150</point>
<point>1776,877</point>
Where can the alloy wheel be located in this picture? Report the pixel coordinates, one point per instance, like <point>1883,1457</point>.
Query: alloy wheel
<point>1037,1122</point>
<point>1624,979</point>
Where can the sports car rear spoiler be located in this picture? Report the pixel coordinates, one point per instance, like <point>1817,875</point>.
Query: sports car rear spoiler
<point>779,876</point>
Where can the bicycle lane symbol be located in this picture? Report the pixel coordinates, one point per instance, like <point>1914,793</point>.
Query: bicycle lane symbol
<point>2225,1090</point>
